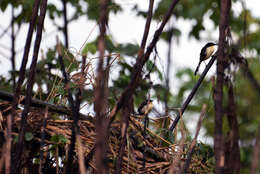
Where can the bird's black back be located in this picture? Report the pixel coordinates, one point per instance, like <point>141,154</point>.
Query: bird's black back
<point>142,105</point>
<point>203,50</point>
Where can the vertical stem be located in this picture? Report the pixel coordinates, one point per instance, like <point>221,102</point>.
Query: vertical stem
<point>167,82</point>
<point>232,152</point>
<point>57,159</point>
<point>26,51</point>
<point>65,23</point>
<point>28,98</point>
<point>13,49</point>
<point>42,139</point>
<point>218,91</point>
<point>124,126</point>
<point>256,151</point>
<point>101,93</point>
<point>9,117</point>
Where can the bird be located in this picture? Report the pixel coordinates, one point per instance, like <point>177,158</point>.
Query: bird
<point>206,52</point>
<point>145,107</point>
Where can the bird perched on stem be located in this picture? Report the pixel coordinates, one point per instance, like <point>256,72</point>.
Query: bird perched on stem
<point>206,52</point>
<point>145,107</point>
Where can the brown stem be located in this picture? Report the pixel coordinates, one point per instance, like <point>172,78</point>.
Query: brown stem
<point>74,106</point>
<point>101,94</point>
<point>193,143</point>
<point>42,139</point>
<point>128,92</point>
<point>21,79</point>
<point>124,126</point>
<point>256,151</point>
<point>6,96</point>
<point>192,93</point>
<point>28,98</point>
<point>13,49</point>
<point>26,51</point>
<point>232,153</point>
<point>65,23</point>
<point>218,91</point>
<point>147,24</point>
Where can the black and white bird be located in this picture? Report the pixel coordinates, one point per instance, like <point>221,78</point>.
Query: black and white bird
<point>145,107</point>
<point>206,52</point>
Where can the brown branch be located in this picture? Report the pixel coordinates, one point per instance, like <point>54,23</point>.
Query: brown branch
<point>28,98</point>
<point>90,156</point>
<point>13,48</point>
<point>124,126</point>
<point>218,91</point>
<point>101,94</point>
<point>238,58</point>
<point>256,151</point>
<point>175,164</point>
<point>133,83</point>
<point>232,153</point>
<point>26,51</point>
<point>43,133</point>
<point>147,25</point>
<point>40,104</point>
<point>82,168</point>
<point>21,79</point>
<point>65,23</point>
<point>167,81</point>
<point>9,117</point>
<point>193,143</point>
<point>192,93</point>
<point>74,105</point>
<point>140,61</point>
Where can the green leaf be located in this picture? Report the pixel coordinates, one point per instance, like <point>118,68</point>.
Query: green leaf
<point>89,47</point>
<point>28,136</point>
<point>15,138</point>
<point>59,138</point>
<point>128,49</point>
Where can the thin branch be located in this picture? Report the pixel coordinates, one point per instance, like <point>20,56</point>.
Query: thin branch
<point>218,91</point>
<point>147,25</point>
<point>144,146</point>
<point>90,156</point>
<point>9,117</point>
<point>238,58</point>
<point>21,79</point>
<point>167,81</point>
<point>26,51</point>
<point>13,49</point>
<point>193,143</point>
<point>43,133</point>
<point>256,151</point>
<point>5,30</point>
<point>82,168</point>
<point>192,93</point>
<point>232,152</point>
<point>28,98</point>
<point>124,126</point>
<point>130,89</point>
<point>175,164</point>
<point>101,94</point>
<point>65,23</point>
<point>40,104</point>
<point>140,63</point>
<point>74,106</point>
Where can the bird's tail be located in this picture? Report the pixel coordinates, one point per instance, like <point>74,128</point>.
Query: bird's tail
<point>197,69</point>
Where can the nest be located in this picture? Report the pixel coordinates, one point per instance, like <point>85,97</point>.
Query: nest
<point>159,153</point>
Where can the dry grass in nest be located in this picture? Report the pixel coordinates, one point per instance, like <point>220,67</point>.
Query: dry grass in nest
<point>158,155</point>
